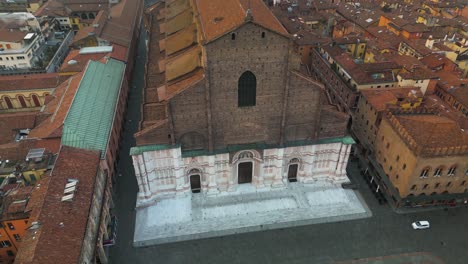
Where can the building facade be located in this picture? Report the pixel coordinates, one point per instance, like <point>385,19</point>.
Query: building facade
<point>231,108</point>
<point>424,165</point>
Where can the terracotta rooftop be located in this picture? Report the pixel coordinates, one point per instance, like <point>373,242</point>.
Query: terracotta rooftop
<point>57,109</point>
<point>62,225</point>
<point>380,99</point>
<point>418,45</point>
<point>434,61</point>
<point>10,123</point>
<point>363,73</point>
<point>418,73</point>
<point>12,36</point>
<point>30,81</point>
<point>15,202</point>
<point>35,204</point>
<point>52,8</point>
<point>218,17</point>
<point>433,131</point>
<point>124,17</point>
<point>79,60</point>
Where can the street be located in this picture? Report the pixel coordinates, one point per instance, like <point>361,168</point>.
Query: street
<point>386,233</point>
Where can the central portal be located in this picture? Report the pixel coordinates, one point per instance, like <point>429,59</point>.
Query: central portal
<point>244,172</point>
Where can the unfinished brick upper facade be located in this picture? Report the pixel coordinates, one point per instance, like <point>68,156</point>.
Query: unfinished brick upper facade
<point>205,114</point>
<point>230,105</point>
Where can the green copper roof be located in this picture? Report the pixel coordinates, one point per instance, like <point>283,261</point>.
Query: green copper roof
<point>89,120</point>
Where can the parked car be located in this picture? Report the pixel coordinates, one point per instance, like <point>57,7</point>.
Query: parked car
<point>420,225</point>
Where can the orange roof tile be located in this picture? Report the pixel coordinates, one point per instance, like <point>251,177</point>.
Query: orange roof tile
<point>54,239</point>
<point>432,131</point>
<point>219,17</point>
<point>30,81</point>
<point>81,60</point>
<point>11,36</point>
<point>380,98</point>
<point>11,122</point>
<point>26,252</point>
<point>58,107</point>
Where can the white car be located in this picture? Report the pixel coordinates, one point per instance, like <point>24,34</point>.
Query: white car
<point>420,225</point>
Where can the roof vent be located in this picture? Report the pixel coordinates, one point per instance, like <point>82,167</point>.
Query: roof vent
<point>69,191</point>
<point>72,62</point>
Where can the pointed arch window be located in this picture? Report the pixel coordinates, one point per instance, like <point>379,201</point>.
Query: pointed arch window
<point>247,89</point>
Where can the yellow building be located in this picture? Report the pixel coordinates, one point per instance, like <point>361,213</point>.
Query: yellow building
<point>26,93</point>
<point>371,107</point>
<point>423,155</point>
<point>14,221</point>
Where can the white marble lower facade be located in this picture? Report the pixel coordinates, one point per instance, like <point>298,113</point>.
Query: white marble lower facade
<point>165,173</point>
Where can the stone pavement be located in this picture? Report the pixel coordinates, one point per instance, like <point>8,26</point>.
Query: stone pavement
<point>245,210</point>
<point>409,258</point>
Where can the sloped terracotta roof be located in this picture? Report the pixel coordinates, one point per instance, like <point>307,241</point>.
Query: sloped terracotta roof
<point>26,252</point>
<point>380,98</point>
<point>30,81</point>
<point>14,204</point>
<point>11,36</point>
<point>10,122</point>
<point>218,17</point>
<point>52,8</point>
<point>58,108</point>
<point>124,18</point>
<point>432,131</point>
<point>80,59</point>
<point>56,242</point>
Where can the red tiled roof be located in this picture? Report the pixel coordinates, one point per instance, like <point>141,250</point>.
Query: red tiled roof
<point>11,36</point>
<point>218,17</point>
<point>26,252</point>
<point>11,122</point>
<point>14,204</point>
<point>432,131</point>
<point>124,18</point>
<point>81,60</point>
<point>58,108</point>
<point>30,81</point>
<point>380,98</point>
<point>56,241</point>
<point>119,52</point>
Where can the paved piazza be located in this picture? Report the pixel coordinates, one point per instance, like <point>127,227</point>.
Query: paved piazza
<point>246,210</point>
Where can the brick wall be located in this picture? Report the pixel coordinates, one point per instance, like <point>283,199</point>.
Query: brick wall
<point>227,60</point>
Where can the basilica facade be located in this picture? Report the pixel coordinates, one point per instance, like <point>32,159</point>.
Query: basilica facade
<point>227,104</point>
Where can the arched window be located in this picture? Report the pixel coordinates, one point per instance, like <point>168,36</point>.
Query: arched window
<point>8,102</point>
<point>452,170</point>
<point>36,100</point>
<point>84,16</point>
<point>438,172</point>
<point>247,90</point>
<point>22,101</point>
<point>91,16</point>
<point>424,173</point>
